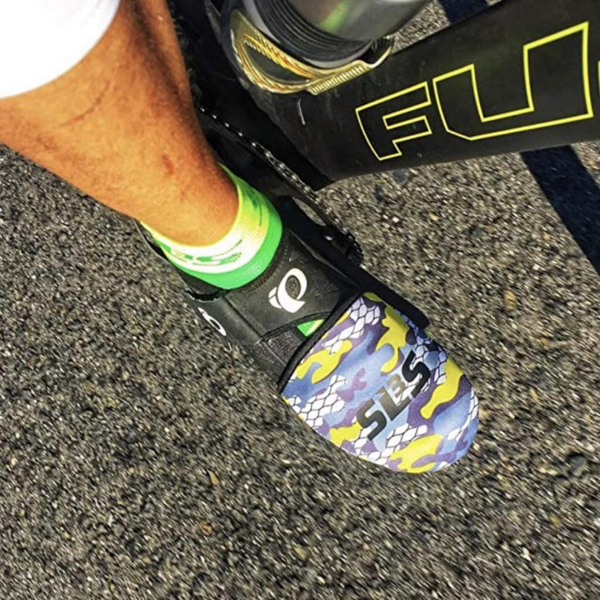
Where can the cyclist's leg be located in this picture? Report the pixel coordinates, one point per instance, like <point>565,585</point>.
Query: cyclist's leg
<point>120,126</point>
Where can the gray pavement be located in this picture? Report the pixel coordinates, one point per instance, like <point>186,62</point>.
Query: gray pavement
<point>139,460</point>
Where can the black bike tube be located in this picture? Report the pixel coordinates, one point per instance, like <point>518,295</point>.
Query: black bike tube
<point>522,75</point>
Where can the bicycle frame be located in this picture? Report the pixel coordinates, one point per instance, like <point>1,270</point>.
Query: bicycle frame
<point>512,78</point>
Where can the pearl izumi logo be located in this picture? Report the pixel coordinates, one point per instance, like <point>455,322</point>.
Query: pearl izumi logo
<point>280,297</point>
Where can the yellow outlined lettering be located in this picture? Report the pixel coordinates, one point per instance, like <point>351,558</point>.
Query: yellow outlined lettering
<point>390,125</point>
<point>582,29</point>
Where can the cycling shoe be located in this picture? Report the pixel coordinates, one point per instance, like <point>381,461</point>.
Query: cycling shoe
<point>369,379</point>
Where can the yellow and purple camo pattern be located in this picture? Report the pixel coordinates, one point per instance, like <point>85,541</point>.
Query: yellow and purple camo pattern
<point>366,356</point>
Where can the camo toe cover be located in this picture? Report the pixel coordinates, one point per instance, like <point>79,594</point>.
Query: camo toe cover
<point>379,388</point>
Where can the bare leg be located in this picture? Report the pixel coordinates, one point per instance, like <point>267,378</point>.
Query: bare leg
<point>121,127</point>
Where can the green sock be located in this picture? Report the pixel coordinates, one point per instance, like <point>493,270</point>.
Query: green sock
<point>243,254</point>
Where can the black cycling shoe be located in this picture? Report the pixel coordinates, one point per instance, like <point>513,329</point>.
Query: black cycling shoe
<point>369,379</point>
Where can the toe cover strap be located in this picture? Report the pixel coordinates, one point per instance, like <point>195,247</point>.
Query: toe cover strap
<point>379,388</point>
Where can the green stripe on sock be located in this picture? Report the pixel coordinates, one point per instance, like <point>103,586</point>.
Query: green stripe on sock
<point>243,254</point>
<point>249,272</point>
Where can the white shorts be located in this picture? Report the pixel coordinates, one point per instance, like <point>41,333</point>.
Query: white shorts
<point>42,39</point>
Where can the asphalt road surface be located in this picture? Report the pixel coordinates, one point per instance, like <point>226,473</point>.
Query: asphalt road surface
<point>139,460</point>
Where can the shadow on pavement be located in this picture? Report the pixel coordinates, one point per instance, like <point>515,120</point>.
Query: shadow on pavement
<point>569,187</point>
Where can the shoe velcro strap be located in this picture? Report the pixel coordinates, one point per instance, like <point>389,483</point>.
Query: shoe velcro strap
<point>263,317</point>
